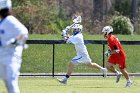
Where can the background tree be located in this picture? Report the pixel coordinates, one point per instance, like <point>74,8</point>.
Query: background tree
<point>134,14</point>
<point>51,16</point>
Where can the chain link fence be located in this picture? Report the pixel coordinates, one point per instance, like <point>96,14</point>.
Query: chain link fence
<point>50,58</point>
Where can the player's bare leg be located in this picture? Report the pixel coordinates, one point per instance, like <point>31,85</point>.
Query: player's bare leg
<point>95,65</point>
<point>111,68</point>
<point>126,75</point>
<point>70,69</point>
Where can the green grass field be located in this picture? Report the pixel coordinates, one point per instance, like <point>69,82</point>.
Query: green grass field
<point>75,85</point>
<point>38,58</point>
<point>86,37</point>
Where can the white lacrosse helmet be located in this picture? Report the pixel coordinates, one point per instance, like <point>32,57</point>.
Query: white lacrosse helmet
<point>107,29</point>
<point>5,4</point>
<point>77,19</point>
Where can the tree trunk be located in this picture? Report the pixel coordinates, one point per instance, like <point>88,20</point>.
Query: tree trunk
<point>97,10</point>
<point>60,9</point>
<point>73,7</point>
<point>134,14</point>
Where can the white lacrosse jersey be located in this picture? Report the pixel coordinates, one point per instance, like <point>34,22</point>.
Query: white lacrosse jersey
<point>10,28</point>
<point>78,41</point>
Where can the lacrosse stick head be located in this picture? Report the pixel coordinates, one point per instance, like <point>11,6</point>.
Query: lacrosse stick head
<point>76,19</point>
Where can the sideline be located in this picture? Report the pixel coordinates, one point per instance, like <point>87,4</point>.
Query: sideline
<point>74,74</point>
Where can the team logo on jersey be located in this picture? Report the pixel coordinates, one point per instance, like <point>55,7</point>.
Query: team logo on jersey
<point>2,31</point>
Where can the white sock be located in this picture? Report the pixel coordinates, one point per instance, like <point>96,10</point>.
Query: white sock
<point>65,78</point>
<point>117,73</point>
<point>128,80</point>
<point>101,69</point>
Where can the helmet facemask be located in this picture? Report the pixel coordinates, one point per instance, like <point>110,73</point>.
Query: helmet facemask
<point>76,29</point>
<point>105,35</point>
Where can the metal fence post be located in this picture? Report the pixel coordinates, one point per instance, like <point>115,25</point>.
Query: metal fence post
<point>103,56</point>
<point>53,60</point>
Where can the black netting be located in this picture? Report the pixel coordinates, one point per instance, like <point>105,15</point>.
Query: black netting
<point>52,56</point>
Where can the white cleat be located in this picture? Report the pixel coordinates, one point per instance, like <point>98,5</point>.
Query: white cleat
<point>63,81</point>
<point>118,77</point>
<point>128,84</point>
<point>104,71</point>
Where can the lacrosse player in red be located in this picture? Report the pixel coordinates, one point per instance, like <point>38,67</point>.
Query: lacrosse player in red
<point>82,54</point>
<point>116,55</point>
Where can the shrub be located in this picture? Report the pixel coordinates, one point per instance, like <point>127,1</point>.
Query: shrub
<point>122,25</point>
<point>40,17</point>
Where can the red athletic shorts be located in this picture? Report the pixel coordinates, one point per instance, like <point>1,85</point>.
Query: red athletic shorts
<point>118,59</point>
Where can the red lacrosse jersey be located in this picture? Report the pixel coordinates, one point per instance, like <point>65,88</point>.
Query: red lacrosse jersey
<point>117,58</point>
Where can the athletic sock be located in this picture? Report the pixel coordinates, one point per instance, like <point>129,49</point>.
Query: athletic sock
<point>117,73</point>
<point>101,69</point>
<point>128,80</point>
<point>67,76</point>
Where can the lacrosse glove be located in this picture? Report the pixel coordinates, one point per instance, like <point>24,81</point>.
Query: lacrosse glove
<point>108,53</point>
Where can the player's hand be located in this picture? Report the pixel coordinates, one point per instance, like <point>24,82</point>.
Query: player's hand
<point>64,34</point>
<point>12,41</point>
<point>108,53</point>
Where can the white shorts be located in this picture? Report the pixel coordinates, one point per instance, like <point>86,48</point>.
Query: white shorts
<point>81,59</point>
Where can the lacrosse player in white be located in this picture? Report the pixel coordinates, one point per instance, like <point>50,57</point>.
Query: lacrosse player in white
<point>82,53</point>
<point>13,35</point>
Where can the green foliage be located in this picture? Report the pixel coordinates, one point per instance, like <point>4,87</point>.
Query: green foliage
<point>122,25</point>
<point>51,16</point>
<point>40,17</point>
<point>123,7</point>
<point>57,26</point>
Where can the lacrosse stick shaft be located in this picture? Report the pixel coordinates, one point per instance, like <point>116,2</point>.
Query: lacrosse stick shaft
<point>72,24</point>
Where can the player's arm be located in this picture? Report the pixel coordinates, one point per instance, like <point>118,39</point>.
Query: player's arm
<point>109,52</point>
<point>113,50</point>
<point>116,50</point>
<point>65,34</point>
<point>18,40</point>
<point>19,36</point>
<point>68,39</point>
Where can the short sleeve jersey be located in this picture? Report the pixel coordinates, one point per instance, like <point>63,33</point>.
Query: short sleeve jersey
<point>78,41</point>
<point>114,43</point>
<point>10,27</point>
